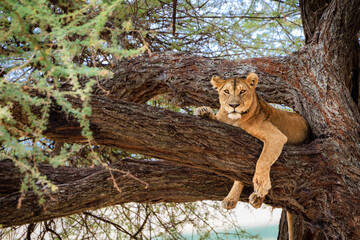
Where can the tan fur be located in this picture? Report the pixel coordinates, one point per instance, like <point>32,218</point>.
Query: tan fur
<point>242,107</point>
<point>290,223</point>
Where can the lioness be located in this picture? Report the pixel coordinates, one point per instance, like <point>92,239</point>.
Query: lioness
<point>242,107</point>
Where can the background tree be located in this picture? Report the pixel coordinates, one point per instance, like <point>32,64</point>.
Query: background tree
<point>71,99</point>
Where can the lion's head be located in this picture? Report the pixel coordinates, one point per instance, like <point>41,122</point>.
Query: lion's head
<point>236,94</point>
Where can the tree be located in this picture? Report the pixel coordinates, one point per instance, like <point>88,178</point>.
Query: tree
<point>317,182</point>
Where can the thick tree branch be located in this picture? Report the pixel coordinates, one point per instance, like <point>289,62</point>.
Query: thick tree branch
<point>331,28</point>
<point>339,22</point>
<point>311,13</point>
<point>322,20</point>
<point>82,189</point>
<point>185,78</point>
<point>296,81</point>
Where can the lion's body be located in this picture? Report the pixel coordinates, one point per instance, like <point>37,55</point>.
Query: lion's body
<point>242,107</point>
<point>291,124</point>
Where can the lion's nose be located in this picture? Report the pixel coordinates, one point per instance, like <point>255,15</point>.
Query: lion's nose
<point>234,105</point>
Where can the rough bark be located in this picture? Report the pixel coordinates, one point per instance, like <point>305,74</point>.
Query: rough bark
<point>311,13</point>
<point>334,26</point>
<point>82,189</point>
<point>332,50</point>
<point>301,229</point>
<point>184,78</point>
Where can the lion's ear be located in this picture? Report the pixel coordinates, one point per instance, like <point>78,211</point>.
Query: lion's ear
<point>217,82</point>
<point>252,79</point>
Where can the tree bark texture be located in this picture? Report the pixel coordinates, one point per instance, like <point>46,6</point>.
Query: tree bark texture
<point>331,29</point>
<point>318,182</point>
<point>82,189</point>
<point>302,231</point>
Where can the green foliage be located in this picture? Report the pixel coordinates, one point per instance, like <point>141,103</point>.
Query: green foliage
<point>222,28</point>
<point>44,46</point>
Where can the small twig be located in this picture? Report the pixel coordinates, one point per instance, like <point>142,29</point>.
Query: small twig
<point>21,66</point>
<point>48,229</point>
<point>57,149</point>
<point>128,174</point>
<point>117,226</point>
<point>146,45</point>
<point>114,181</point>
<point>174,17</point>
<point>145,220</point>
<point>107,92</point>
<point>30,230</point>
<point>20,200</point>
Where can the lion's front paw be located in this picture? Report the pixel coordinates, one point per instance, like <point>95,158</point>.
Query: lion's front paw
<point>204,112</point>
<point>229,202</point>
<point>256,201</point>
<point>262,183</point>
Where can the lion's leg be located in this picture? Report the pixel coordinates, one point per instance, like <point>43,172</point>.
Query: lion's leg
<point>274,141</point>
<point>270,153</point>
<point>233,197</point>
<point>204,112</point>
<point>290,225</point>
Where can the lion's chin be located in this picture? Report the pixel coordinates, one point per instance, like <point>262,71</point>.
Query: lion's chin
<point>234,116</point>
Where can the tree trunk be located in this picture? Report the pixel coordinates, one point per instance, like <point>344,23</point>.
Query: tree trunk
<point>331,29</point>
<point>301,229</point>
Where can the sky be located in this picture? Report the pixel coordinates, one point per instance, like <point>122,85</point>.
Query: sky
<point>248,218</point>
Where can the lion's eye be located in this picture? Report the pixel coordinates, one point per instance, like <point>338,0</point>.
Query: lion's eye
<point>226,91</point>
<point>242,91</point>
